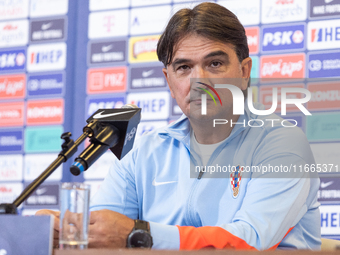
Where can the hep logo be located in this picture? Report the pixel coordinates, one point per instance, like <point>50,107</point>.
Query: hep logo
<point>316,35</point>
<point>326,34</point>
<point>238,100</point>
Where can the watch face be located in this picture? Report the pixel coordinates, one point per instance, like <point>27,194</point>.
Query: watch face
<point>140,238</point>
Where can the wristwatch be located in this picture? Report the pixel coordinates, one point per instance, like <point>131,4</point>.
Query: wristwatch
<point>140,236</point>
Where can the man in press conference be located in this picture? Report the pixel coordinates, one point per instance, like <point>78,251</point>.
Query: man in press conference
<point>153,198</point>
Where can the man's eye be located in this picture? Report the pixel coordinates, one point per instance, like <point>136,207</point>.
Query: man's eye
<point>183,67</point>
<point>216,64</point>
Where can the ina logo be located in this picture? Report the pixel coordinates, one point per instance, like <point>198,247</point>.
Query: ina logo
<point>135,22</point>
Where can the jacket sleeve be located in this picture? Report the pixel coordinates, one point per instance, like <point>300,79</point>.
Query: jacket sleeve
<point>268,213</point>
<point>270,210</point>
<point>118,190</point>
<point>118,193</point>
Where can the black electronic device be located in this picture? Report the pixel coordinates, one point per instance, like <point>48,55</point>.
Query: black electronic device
<point>107,128</point>
<point>140,236</point>
<point>112,129</point>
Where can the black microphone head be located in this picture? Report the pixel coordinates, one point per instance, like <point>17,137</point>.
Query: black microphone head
<point>125,120</point>
<point>110,128</point>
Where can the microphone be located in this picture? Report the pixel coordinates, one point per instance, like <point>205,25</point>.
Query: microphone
<point>108,128</point>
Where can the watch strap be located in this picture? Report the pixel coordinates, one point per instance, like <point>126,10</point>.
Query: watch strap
<point>141,224</point>
<point>141,227</point>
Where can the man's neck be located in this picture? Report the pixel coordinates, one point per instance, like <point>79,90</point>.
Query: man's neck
<point>205,133</point>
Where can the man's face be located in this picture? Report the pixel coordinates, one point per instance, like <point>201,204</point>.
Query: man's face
<point>198,57</point>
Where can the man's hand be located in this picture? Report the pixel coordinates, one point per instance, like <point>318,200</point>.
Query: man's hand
<point>109,229</point>
<point>56,224</point>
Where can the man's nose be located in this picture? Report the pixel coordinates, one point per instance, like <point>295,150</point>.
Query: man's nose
<point>199,73</point>
<point>200,76</point>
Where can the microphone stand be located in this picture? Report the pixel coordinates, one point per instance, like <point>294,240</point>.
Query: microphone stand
<point>69,147</point>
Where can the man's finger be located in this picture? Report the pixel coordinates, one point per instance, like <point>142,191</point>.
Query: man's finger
<point>73,218</point>
<point>70,217</point>
<point>55,214</point>
<point>48,212</point>
<point>55,242</point>
<point>95,242</point>
<point>93,230</point>
<point>56,224</point>
<point>94,216</point>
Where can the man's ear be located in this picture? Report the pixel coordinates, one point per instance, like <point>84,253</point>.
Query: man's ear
<point>246,69</point>
<point>165,72</point>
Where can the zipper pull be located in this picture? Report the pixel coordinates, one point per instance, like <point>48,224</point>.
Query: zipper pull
<point>200,173</point>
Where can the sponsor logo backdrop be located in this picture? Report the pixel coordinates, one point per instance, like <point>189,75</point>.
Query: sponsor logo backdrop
<point>37,57</point>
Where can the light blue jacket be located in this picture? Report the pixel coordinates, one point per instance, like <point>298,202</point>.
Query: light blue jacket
<point>157,182</point>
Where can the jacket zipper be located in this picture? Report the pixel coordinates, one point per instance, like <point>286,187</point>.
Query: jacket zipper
<point>200,174</point>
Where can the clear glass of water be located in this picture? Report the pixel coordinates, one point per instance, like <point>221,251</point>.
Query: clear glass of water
<point>74,215</point>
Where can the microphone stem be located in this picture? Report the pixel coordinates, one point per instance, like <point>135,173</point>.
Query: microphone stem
<point>69,151</point>
<point>65,154</point>
<point>42,177</point>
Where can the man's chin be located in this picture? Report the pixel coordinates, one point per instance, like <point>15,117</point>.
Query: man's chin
<point>197,116</point>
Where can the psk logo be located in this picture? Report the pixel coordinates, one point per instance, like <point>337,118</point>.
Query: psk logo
<point>204,97</point>
<point>235,180</point>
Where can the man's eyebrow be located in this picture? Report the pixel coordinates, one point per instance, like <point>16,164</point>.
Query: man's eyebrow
<point>217,53</point>
<point>179,61</point>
